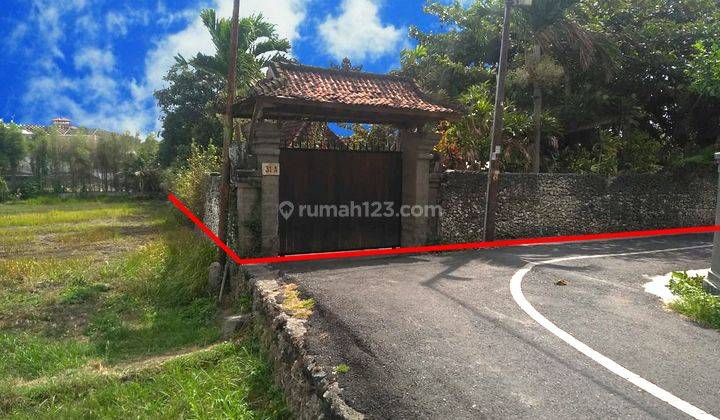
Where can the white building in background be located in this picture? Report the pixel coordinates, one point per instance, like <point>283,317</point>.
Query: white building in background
<point>63,126</point>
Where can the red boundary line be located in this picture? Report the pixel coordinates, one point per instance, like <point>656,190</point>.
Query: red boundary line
<point>436,248</point>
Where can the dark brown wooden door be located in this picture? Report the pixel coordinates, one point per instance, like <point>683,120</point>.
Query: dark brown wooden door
<point>341,200</point>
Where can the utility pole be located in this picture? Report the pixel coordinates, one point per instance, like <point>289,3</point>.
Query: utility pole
<point>497,131</point>
<point>228,133</point>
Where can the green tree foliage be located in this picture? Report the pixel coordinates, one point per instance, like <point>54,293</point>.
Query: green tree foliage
<point>651,89</point>
<point>615,153</point>
<point>12,148</point>
<point>188,182</point>
<point>371,137</point>
<point>83,161</point>
<point>189,106</point>
<point>194,94</point>
<point>465,144</point>
<point>258,45</point>
<point>631,70</point>
<point>704,69</point>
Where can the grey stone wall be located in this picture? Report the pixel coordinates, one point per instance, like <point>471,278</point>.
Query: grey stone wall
<point>535,205</point>
<point>211,212</point>
<point>311,390</point>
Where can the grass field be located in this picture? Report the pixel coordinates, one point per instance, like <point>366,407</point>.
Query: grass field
<point>104,313</point>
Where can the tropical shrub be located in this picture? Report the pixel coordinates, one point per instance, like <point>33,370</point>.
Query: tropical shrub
<point>188,182</point>
<point>693,301</point>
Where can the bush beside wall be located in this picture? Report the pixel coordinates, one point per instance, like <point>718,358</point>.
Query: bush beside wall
<point>535,205</point>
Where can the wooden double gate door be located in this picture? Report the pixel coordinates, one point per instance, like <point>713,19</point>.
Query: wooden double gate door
<point>335,200</point>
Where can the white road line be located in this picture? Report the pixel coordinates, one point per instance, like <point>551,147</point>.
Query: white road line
<point>607,363</point>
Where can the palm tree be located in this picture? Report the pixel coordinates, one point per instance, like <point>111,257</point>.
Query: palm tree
<point>552,31</point>
<point>258,45</point>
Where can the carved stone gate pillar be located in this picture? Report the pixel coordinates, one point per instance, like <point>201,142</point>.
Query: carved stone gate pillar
<point>416,146</point>
<point>266,148</point>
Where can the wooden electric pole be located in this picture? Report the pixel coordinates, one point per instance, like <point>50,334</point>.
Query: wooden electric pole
<point>497,131</point>
<point>228,133</point>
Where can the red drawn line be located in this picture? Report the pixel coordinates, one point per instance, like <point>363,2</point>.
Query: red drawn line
<point>204,228</point>
<point>438,248</point>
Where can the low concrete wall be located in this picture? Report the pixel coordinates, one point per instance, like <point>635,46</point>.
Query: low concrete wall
<point>535,205</point>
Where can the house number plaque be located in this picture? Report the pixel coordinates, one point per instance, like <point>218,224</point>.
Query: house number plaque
<point>271,169</point>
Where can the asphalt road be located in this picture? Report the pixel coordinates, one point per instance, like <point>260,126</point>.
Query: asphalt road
<point>441,336</point>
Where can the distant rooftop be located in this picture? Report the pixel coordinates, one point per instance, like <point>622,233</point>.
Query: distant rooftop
<point>64,127</point>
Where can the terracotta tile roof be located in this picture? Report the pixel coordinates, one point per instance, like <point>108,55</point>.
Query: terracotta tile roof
<point>332,86</point>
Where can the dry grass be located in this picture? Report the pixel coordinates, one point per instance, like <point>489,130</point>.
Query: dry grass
<point>298,308</point>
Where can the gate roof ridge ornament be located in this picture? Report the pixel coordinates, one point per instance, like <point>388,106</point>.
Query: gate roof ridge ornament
<point>299,92</point>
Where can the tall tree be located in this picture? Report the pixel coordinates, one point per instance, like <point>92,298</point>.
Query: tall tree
<point>550,29</point>
<point>258,45</point>
<point>651,90</point>
<point>39,155</point>
<point>12,149</point>
<point>637,90</point>
<point>189,107</point>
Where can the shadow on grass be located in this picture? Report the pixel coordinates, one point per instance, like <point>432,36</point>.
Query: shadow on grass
<point>160,301</point>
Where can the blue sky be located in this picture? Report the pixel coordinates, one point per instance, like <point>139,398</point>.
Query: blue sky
<point>98,61</point>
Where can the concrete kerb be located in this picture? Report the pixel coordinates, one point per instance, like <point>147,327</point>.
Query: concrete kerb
<point>311,391</point>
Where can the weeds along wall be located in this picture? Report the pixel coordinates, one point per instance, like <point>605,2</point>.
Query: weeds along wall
<point>535,205</point>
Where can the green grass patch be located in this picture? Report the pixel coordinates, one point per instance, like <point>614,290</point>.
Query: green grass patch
<point>693,301</point>
<point>26,356</point>
<point>231,380</point>
<point>41,269</point>
<point>92,287</point>
<point>81,293</point>
<point>128,330</point>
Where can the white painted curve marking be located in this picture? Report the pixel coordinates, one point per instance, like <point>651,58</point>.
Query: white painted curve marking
<point>604,361</point>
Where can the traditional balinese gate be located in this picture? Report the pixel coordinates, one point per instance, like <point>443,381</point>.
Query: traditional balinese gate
<point>325,186</point>
<point>329,181</point>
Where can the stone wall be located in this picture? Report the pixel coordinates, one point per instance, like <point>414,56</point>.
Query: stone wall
<point>535,205</point>
<point>311,390</point>
<point>211,210</point>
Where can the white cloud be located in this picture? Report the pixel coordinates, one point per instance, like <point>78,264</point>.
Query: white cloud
<point>17,34</point>
<point>98,95</point>
<point>117,22</point>
<point>95,60</point>
<point>98,82</point>
<point>358,33</point>
<point>188,42</point>
<point>287,15</point>
<point>86,26</point>
<point>93,98</point>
